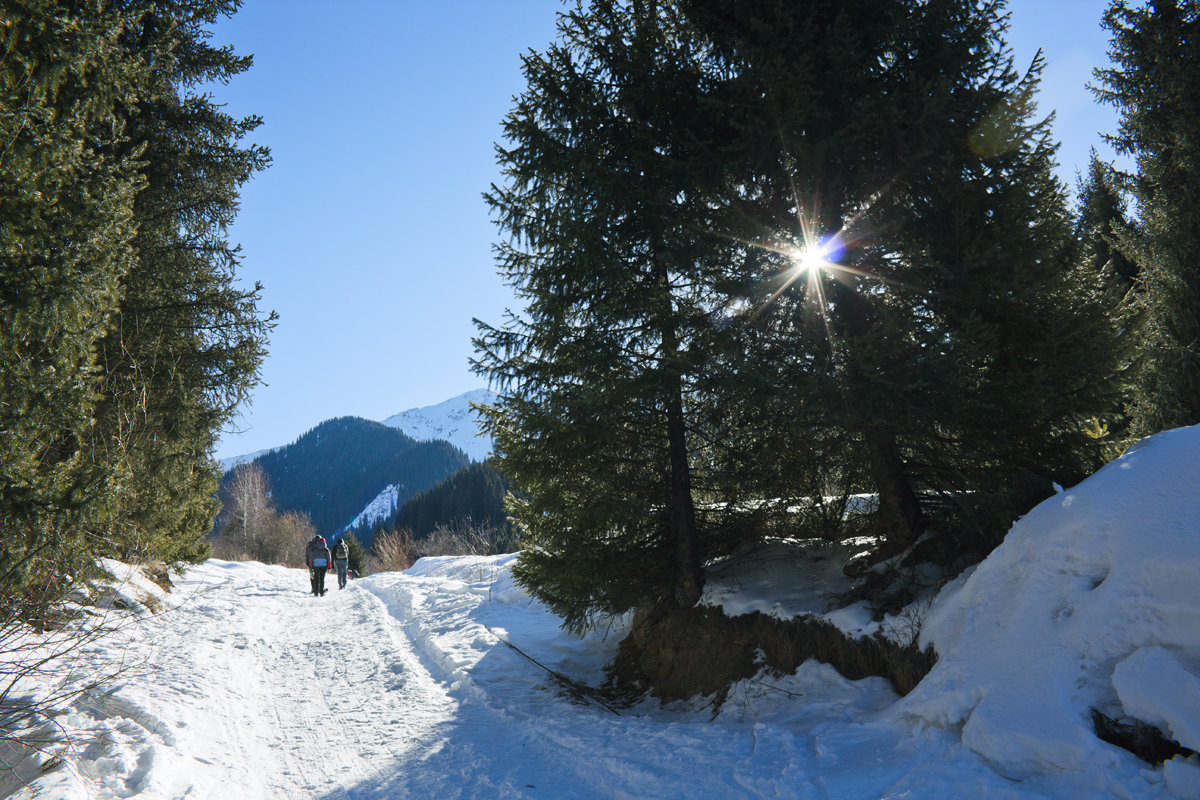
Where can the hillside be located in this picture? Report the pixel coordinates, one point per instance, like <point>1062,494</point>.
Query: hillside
<point>472,496</point>
<point>334,470</point>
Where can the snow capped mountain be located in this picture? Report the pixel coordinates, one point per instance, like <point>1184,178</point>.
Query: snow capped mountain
<point>452,420</point>
<point>229,463</point>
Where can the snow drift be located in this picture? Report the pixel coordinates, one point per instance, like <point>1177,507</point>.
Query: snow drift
<point>1092,601</point>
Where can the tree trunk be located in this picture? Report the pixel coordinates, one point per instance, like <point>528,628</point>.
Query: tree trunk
<point>681,509</point>
<point>899,509</point>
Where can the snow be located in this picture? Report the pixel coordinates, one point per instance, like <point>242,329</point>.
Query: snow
<point>1032,640</point>
<point>382,508</point>
<point>1155,686</point>
<point>411,684</point>
<point>452,420</point>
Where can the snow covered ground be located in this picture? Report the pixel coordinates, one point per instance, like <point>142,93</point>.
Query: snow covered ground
<point>245,686</point>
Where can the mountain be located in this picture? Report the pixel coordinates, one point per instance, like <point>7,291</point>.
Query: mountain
<point>452,420</point>
<point>229,463</point>
<point>473,495</point>
<point>336,469</point>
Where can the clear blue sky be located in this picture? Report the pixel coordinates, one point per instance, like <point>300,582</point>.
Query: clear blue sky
<point>369,233</point>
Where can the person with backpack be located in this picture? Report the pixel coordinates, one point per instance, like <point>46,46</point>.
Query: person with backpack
<point>341,559</point>
<point>318,559</point>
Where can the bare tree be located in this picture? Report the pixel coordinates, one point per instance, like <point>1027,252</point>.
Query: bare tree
<point>283,537</point>
<point>247,509</point>
<point>393,551</point>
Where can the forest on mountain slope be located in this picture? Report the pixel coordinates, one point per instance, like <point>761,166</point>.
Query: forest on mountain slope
<point>332,471</point>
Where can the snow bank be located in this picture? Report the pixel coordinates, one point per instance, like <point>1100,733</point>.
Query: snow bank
<point>1092,601</point>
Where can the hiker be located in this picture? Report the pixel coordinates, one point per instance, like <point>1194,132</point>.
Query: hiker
<point>317,557</point>
<point>341,559</point>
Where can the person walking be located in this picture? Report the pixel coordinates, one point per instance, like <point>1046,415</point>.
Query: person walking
<point>317,556</point>
<point>341,559</point>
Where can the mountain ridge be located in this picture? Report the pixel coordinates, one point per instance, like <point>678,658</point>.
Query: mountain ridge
<point>334,470</point>
<point>451,420</point>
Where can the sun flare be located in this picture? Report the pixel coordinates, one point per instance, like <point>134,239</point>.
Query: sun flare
<point>810,258</point>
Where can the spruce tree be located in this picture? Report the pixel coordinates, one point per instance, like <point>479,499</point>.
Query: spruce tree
<point>1155,84</point>
<point>772,252</point>
<point>940,348</point>
<point>67,185</point>
<point>1102,219</point>
<point>125,345</point>
<point>594,424</point>
<point>185,348</point>
<point>357,560</point>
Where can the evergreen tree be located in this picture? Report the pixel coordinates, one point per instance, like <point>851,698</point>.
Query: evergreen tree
<point>888,162</point>
<point>1155,84</point>
<point>1102,219</point>
<point>357,560</point>
<point>593,424</point>
<point>770,250</point>
<point>67,187</point>
<point>124,346</point>
<point>186,346</point>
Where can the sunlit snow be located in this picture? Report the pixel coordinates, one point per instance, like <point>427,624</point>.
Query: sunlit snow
<point>403,685</point>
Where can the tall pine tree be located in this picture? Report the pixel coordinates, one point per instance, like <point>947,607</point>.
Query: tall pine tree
<point>593,426</point>
<point>1156,87</point>
<point>187,343</point>
<point>696,356</point>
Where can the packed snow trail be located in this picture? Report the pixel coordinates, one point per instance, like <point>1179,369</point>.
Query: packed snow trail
<point>401,686</point>
<point>272,692</point>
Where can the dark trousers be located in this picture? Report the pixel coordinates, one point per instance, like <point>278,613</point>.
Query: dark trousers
<point>340,565</point>
<point>317,574</point>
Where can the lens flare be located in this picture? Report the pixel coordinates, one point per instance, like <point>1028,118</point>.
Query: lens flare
<point>812,257</point>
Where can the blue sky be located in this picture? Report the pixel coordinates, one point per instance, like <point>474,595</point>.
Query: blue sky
<point>369,232</point>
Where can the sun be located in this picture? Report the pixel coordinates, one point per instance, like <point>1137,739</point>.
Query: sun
<point>810,258</point>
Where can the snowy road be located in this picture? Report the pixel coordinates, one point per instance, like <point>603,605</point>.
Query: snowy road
<point>401,687</point>
<point>246,687</point>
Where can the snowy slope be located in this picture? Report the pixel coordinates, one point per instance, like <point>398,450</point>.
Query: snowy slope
<point>452,420</point>
<point>383,507</point>
<point>404,686</point>
<point>1092,601</point>
<point>229,463</point>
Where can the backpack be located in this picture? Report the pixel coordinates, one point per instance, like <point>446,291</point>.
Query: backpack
<point>341,551</point>
<point>316,550</point>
